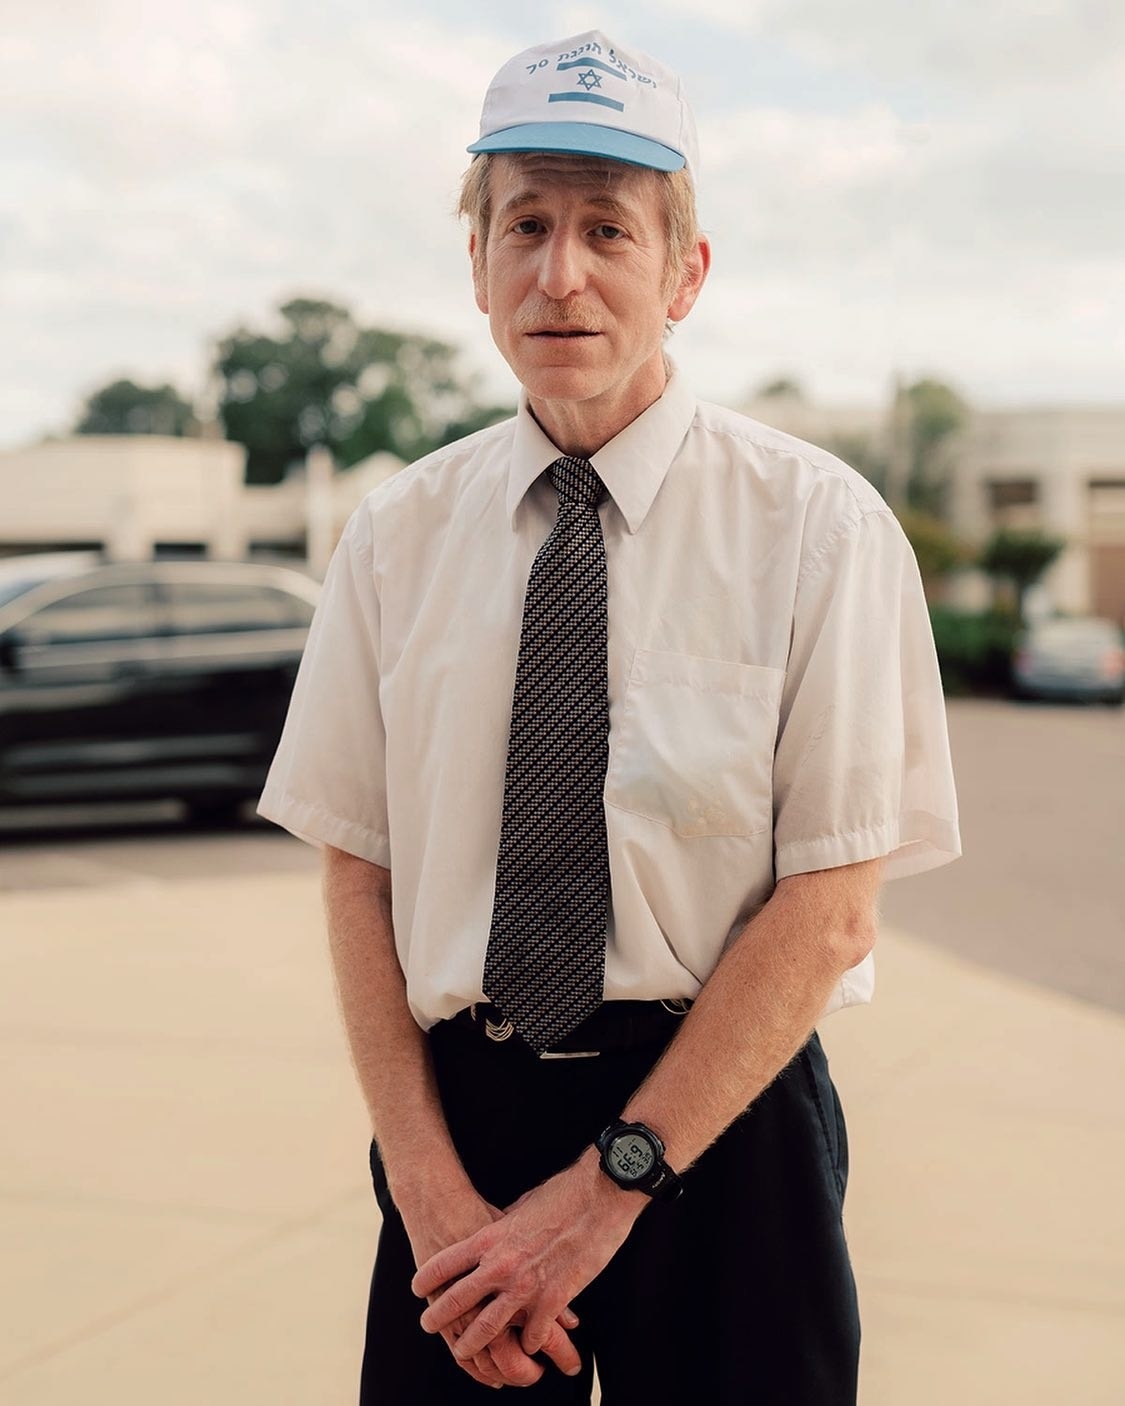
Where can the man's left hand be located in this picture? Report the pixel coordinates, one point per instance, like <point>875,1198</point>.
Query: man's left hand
<point>532,1262</point>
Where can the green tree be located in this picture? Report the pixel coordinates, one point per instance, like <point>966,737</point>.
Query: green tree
<point>781,386</point>
<point>356,390</point>
<point>862,453</point>
<point>927,417</point>
<point>1020,558</point>
<point>123,407</point>
<point>938,551</point>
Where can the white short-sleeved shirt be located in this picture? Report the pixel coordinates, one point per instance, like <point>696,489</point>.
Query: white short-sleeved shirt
<point>775,705</point>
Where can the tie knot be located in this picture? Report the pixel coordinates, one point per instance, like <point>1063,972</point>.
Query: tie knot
<point>576,481</point>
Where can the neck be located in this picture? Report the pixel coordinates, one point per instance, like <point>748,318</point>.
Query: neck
<point>581,427</point>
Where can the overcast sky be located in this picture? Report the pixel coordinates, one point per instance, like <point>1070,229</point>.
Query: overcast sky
<point>933,187</point>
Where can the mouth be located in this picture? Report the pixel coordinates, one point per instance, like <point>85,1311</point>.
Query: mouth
<point>566,332</point>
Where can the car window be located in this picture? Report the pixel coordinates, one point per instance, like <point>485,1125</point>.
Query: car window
<point>99,613</point>
<point>9,590</point>
<point>216,607</point>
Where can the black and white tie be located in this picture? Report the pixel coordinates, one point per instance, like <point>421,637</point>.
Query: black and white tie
<point>545,963</point>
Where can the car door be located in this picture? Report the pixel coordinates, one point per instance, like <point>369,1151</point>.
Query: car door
<point>77,714</point>
<point>232,653</point>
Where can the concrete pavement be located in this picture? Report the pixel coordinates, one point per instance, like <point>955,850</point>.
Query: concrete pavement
<point>185,1216</point>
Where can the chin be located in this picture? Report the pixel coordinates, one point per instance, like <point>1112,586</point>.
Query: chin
<point>557,382</point>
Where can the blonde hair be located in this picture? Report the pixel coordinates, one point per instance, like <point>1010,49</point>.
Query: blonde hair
<point>677,201</point>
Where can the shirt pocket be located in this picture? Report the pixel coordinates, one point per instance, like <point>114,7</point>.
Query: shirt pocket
<point>695,743</point>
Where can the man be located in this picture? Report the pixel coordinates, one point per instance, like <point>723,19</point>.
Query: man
<point>637,701</point>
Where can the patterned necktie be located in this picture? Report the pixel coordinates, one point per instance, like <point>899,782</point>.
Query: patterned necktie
<point>545,963</point>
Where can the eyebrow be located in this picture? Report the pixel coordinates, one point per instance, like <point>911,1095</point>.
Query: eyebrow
<point>607,203</point>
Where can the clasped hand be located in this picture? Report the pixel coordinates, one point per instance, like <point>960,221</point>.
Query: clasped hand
<point>521,1270</point>
<point>445,1216</point>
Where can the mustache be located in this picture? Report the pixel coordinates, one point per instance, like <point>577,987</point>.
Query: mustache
<point>567,316</point>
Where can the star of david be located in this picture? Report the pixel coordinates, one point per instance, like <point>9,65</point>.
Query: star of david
<point>590,79</point>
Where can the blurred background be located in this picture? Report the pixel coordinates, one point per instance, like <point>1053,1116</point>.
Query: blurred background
<point>236,299</point>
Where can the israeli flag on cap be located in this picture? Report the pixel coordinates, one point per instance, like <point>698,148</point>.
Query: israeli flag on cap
<point>590,97</point>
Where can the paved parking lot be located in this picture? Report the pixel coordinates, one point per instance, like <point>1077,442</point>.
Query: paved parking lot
<point>185,1214</point>
<point>1040,890</point>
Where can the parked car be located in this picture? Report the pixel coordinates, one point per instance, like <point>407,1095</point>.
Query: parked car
<point>145,680</point>
<point>1078,658</point>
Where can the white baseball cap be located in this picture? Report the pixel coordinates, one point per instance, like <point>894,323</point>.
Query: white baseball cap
<point>590,97</point>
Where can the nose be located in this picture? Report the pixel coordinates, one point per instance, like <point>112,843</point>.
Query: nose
<point>562,267</point>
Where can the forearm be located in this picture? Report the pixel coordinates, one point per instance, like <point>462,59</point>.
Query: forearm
<point>389,1050</point>
<point>438,1203</point>
<point>755,1011</point>
<point>758,1007</point>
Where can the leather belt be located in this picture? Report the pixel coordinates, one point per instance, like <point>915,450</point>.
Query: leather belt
<point>615,1025</point>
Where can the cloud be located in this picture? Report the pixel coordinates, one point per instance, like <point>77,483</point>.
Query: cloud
<point>181,171</point>
<point>942,188</point>
<point>973,48</point>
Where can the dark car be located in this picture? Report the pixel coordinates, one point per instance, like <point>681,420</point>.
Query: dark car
<point>145,680</point>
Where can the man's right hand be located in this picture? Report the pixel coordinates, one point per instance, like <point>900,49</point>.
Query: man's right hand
<point>438,1203</point>
<point>445,1220</point>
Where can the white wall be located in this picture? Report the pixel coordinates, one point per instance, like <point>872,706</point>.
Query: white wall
<point>128,491</point>
<point>131,491</point>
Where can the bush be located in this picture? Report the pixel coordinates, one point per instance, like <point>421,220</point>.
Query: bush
<point>974,649</point>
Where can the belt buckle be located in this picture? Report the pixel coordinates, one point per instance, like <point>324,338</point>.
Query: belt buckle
<point>497,1030</point>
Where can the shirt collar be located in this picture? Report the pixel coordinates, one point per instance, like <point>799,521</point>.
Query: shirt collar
<point>632,465</point>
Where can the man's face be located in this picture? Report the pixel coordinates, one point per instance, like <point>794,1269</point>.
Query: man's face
<point>575,280</point>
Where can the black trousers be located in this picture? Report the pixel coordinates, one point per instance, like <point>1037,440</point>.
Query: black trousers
<point>739,1292</point>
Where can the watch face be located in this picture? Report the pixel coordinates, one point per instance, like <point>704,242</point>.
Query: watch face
<point>630,1156</point>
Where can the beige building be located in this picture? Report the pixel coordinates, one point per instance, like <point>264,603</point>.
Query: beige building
<point>129,495</point>
<point>1057,469</point>
<point>1061,470</point>
<point>138,496</point>
<point>134,497</point>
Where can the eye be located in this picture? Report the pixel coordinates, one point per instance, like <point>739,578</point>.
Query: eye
<point>528,225</point>
<point>610,232</point>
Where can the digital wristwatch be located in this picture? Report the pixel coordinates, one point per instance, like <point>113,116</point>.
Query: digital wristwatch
<point>633,1156</point>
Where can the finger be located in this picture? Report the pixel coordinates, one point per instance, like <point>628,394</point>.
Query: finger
<point>569,1319</point>
<point>489,1323</point>
<point>502,1363</point>
<point>448,1264</point>
<point>460,1298</point>
<point>481,1368</point>
<point>539,1326</point>
<point>513,1364</point>
<point>562,1352</point>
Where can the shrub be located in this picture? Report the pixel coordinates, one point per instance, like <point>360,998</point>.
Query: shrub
<point>974,649</point>
<point>1019,557</point>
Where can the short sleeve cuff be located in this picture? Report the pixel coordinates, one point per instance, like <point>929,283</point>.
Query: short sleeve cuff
<point>910,844</point>
<point>317,826</point>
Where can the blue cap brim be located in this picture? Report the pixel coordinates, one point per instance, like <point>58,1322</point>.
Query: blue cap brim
<point>583,139</point>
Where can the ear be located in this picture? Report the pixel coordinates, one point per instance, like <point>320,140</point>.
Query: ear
<point>697,265</point>
<point>480,287</point>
